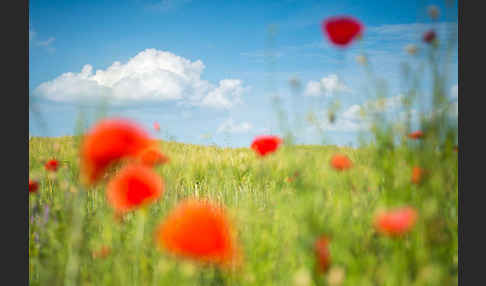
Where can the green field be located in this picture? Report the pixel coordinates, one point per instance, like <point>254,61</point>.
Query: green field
<point>277,219</point>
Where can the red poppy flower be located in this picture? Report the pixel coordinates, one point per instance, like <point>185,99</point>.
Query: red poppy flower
<point>133,187</point>
<point>200,231</point>
<point>323,256</point>
<point>266,144</point>
<point>429,36</point>
<point>456,148</point>
<point>396,222</point>
<point>417,175</point>
<point>341,31</point>
<point>103,252</point>
<point>109,141</point>
<point>416,135</point>
<point>33,186</point>
<point>156,126</point>
<point>341,162</point>
<point>152,156</point>
<point>51,165</point>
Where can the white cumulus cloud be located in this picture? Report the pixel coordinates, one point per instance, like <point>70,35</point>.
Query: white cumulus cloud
<point>353,112</point>
<point>350,119</point>
<point>227,94</point>
<point>313,88</point>
<point>231,127</point>
<point>354,118</point>
<point>326,86</point>
<point>151,75</point>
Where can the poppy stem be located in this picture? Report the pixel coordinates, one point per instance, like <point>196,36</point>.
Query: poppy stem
<point>139,244</point>
<point>79,212</point>
<point>218,278</point>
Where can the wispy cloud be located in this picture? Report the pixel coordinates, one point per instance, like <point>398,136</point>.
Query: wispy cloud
<point>403,31</point>
<point>260,56</point>
<point>167,5</point>
<point>393,38</point>
<point>47,44</point>
<point>32,34</point>
<point>230,126</point>
<point>312,15</point>
<point>226,95</point>
<point>378,41</point>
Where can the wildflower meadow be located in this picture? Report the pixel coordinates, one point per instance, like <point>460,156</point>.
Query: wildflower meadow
<point>113,205</point>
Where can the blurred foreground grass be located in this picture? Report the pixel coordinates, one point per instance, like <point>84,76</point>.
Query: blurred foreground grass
<point>279,204</point>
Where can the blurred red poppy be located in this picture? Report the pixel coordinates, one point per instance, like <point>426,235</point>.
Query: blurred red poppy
<point>106,143</point>
<point>199,230</point>
<point>33,186</point>
<point>429,36</point>
<point>456,148</point>
<point>341,162</point>
<point>396,222</point>
<point>152,156</point>
<point>417,175</point>
<point>342,30</point>
<point>156,126</point>
<point>323,255</point>
<point>102,253</point>
<point>266,144</point>
<point>51,165</point>
<point>416,135</point>
<point>133,187</point>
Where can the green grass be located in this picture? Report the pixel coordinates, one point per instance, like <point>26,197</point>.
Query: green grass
<point>277,221</point>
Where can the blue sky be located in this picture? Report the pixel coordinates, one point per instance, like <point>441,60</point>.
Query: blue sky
<point>208,71</point>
